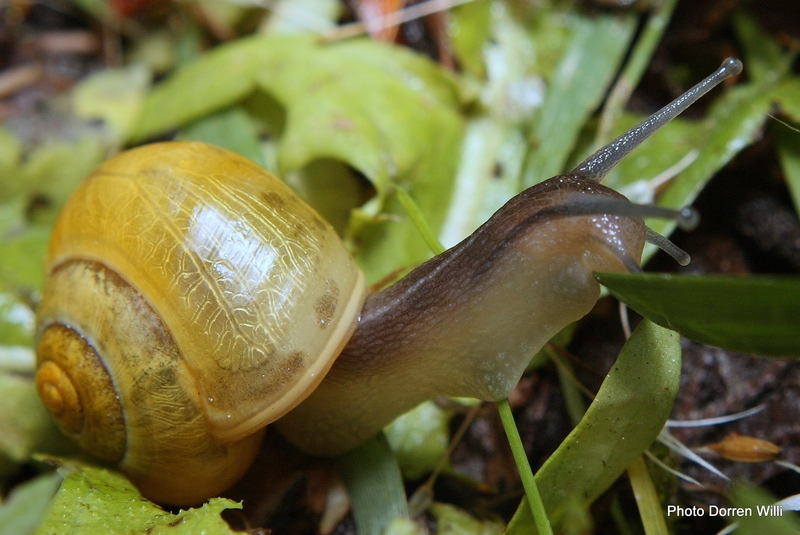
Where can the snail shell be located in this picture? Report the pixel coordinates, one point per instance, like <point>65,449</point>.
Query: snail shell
<point>205,303</point>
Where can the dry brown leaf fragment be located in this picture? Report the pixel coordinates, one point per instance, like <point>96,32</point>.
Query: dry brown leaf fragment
<point>745,449</point>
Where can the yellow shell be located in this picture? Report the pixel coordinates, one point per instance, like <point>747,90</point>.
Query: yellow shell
<point>215,298</point>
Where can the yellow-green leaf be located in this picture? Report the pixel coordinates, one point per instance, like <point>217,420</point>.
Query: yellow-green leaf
<point>95,500</point>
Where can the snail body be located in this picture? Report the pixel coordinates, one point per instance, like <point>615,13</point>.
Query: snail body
<point>191,299</point>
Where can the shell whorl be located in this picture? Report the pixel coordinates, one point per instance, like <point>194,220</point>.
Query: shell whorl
<point>75,387</point>
<point>140,408</point>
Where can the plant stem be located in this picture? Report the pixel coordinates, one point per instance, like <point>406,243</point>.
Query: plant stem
<point>524,467</point>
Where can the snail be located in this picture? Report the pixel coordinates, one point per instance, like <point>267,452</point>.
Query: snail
<point>191,299</point>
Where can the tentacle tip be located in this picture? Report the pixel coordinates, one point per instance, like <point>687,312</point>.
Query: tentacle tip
<point>732,66</point>
<point>688,218</point>
<point>678,254</point>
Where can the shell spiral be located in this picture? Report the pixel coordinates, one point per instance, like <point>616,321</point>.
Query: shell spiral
<point>202,291</point>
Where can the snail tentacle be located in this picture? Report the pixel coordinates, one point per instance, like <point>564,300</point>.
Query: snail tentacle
<point>596,166</point>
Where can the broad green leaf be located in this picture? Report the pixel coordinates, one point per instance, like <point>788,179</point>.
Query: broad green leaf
<point>332,188</point>
<point>626,416</point>
<point>360,101</point>
<point>95,500</point>
<point>375,486</point>
<point>759,315</point>
<point>386,131</point>
<point>24,508</point>
<point>403,129</point>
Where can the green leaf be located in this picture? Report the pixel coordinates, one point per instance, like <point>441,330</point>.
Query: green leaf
<point>407,113</point>
<point>787,96</point>
<point>330,113</point>
<point>757,315</point>
<point>53,169</point>
<point>24,508</point>
<point>10,150</point>
<point>96,500</point>
<point>403,129</point>
<point>626,416</point>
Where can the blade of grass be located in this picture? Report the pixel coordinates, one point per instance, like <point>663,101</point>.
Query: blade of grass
<point>634,68</point>
<point>577,87</point>
<point>419,220</point>
<point>647,498</point>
